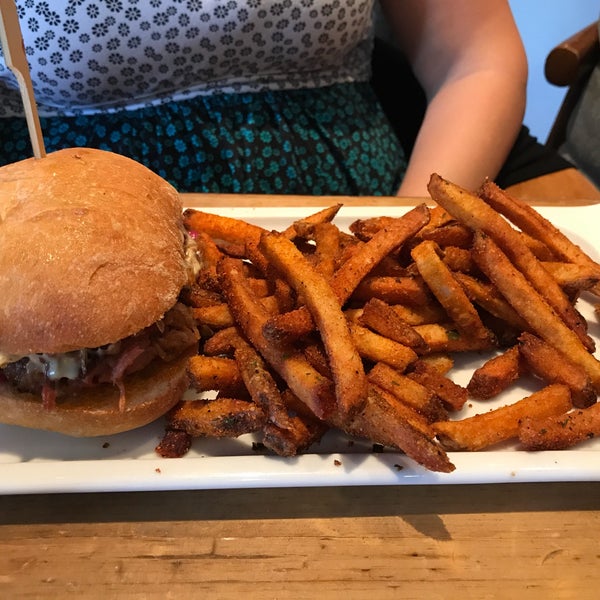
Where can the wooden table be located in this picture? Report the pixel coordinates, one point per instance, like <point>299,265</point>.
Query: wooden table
<point>469,541</point>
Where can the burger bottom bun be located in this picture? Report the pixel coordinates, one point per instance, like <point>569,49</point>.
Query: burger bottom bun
<point>149,394</point>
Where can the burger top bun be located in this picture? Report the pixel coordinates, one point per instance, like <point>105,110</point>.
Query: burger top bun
<point>91,251</point>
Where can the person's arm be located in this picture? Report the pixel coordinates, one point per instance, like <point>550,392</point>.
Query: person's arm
<point>470,60</point>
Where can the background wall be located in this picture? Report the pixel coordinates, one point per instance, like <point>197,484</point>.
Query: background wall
<point>543,24</point>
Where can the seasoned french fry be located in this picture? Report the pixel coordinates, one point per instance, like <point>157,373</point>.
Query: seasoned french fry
<point>411,291</point>
<point>223,228</point>
<point>448,291</point>
<point>219,316</point>
<point>219,418</point>
<point>208,373</point>
<point>451,234</point>
<point>379,421</point>
<point>573,277</point>
<point>486,429</point>
<point>451,394</point>
<point>495,375</point>
<point>440,362</point>
<point>562,431</point>
<point>208,257</point>
<point>405,412</point>
<point>383,319</point>
<point>458,259</point>
<point>377,348</point>
<point>325,215</point>
<point>553,366</point>
<point>327,239</point>
<point>444,337</point>
<point>487,297</point>
<point>429,312</point>
<point>408,391</point>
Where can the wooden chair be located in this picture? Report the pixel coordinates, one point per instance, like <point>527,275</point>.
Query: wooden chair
<point>569,64</point>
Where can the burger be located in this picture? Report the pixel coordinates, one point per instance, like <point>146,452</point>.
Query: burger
<point>94,339</point>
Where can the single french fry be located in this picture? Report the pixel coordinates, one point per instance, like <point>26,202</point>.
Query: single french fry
<point>458,259</point>
<point>562,431</point>
<point>408,391</point>
<point>486,429</point>
<point>219,316</point>
<point>452,395</point>
<point>221,342</point>
<point>405,412</point>
<point>379,421</point>
<point>573,277</point>
<point>429,312</point>
<point>327,247</point>
<point>495,375</point>
<point>216,316</point>
<point>198,295</point>
<point>377,348</point>
<point>553,366</point>
<point>451,234</point>
<point>487,297</point>
<point>345,362</point>
<point>325,215</point>
<point>445,337</point>
<point>383,319</point>
<point>219,418</point>
<point>174,444</point>
<point>411,291</point>
<point>478,215</point>
<point>441,362</point>
<point>208,373</point>
<point>532,307</point>
<point>209,255</point>
<point>448,291</point>
<point>219,227</point>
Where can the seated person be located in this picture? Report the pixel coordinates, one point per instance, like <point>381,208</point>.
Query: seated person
<point>266,96</point>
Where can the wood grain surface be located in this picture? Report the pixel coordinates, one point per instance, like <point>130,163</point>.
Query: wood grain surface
<point>483,541</point>
<point>422,542</point>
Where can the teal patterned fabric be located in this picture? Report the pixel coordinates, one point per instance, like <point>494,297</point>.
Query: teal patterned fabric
<point>331,140</point>
<point>255,96</point>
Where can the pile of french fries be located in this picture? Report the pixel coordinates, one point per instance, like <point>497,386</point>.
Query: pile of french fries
<point>315,328</point>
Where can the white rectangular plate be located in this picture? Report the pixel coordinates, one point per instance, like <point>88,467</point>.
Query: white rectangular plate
<point>41,462</point>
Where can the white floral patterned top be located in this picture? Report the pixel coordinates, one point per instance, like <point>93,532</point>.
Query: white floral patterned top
<point>90,56</point>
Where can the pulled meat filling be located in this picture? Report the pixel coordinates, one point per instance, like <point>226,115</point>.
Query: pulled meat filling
<point>51,375</point>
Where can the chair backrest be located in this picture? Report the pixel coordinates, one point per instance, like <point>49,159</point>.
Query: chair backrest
<point>569,64</point>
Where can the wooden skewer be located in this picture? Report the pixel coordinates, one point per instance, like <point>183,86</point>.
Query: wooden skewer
<point>16,60</point>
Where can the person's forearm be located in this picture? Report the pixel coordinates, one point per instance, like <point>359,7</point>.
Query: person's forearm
<point>465,141</point>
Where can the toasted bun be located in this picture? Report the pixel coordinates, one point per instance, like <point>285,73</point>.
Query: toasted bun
<point>149,395</point>
<point>91,251</point>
